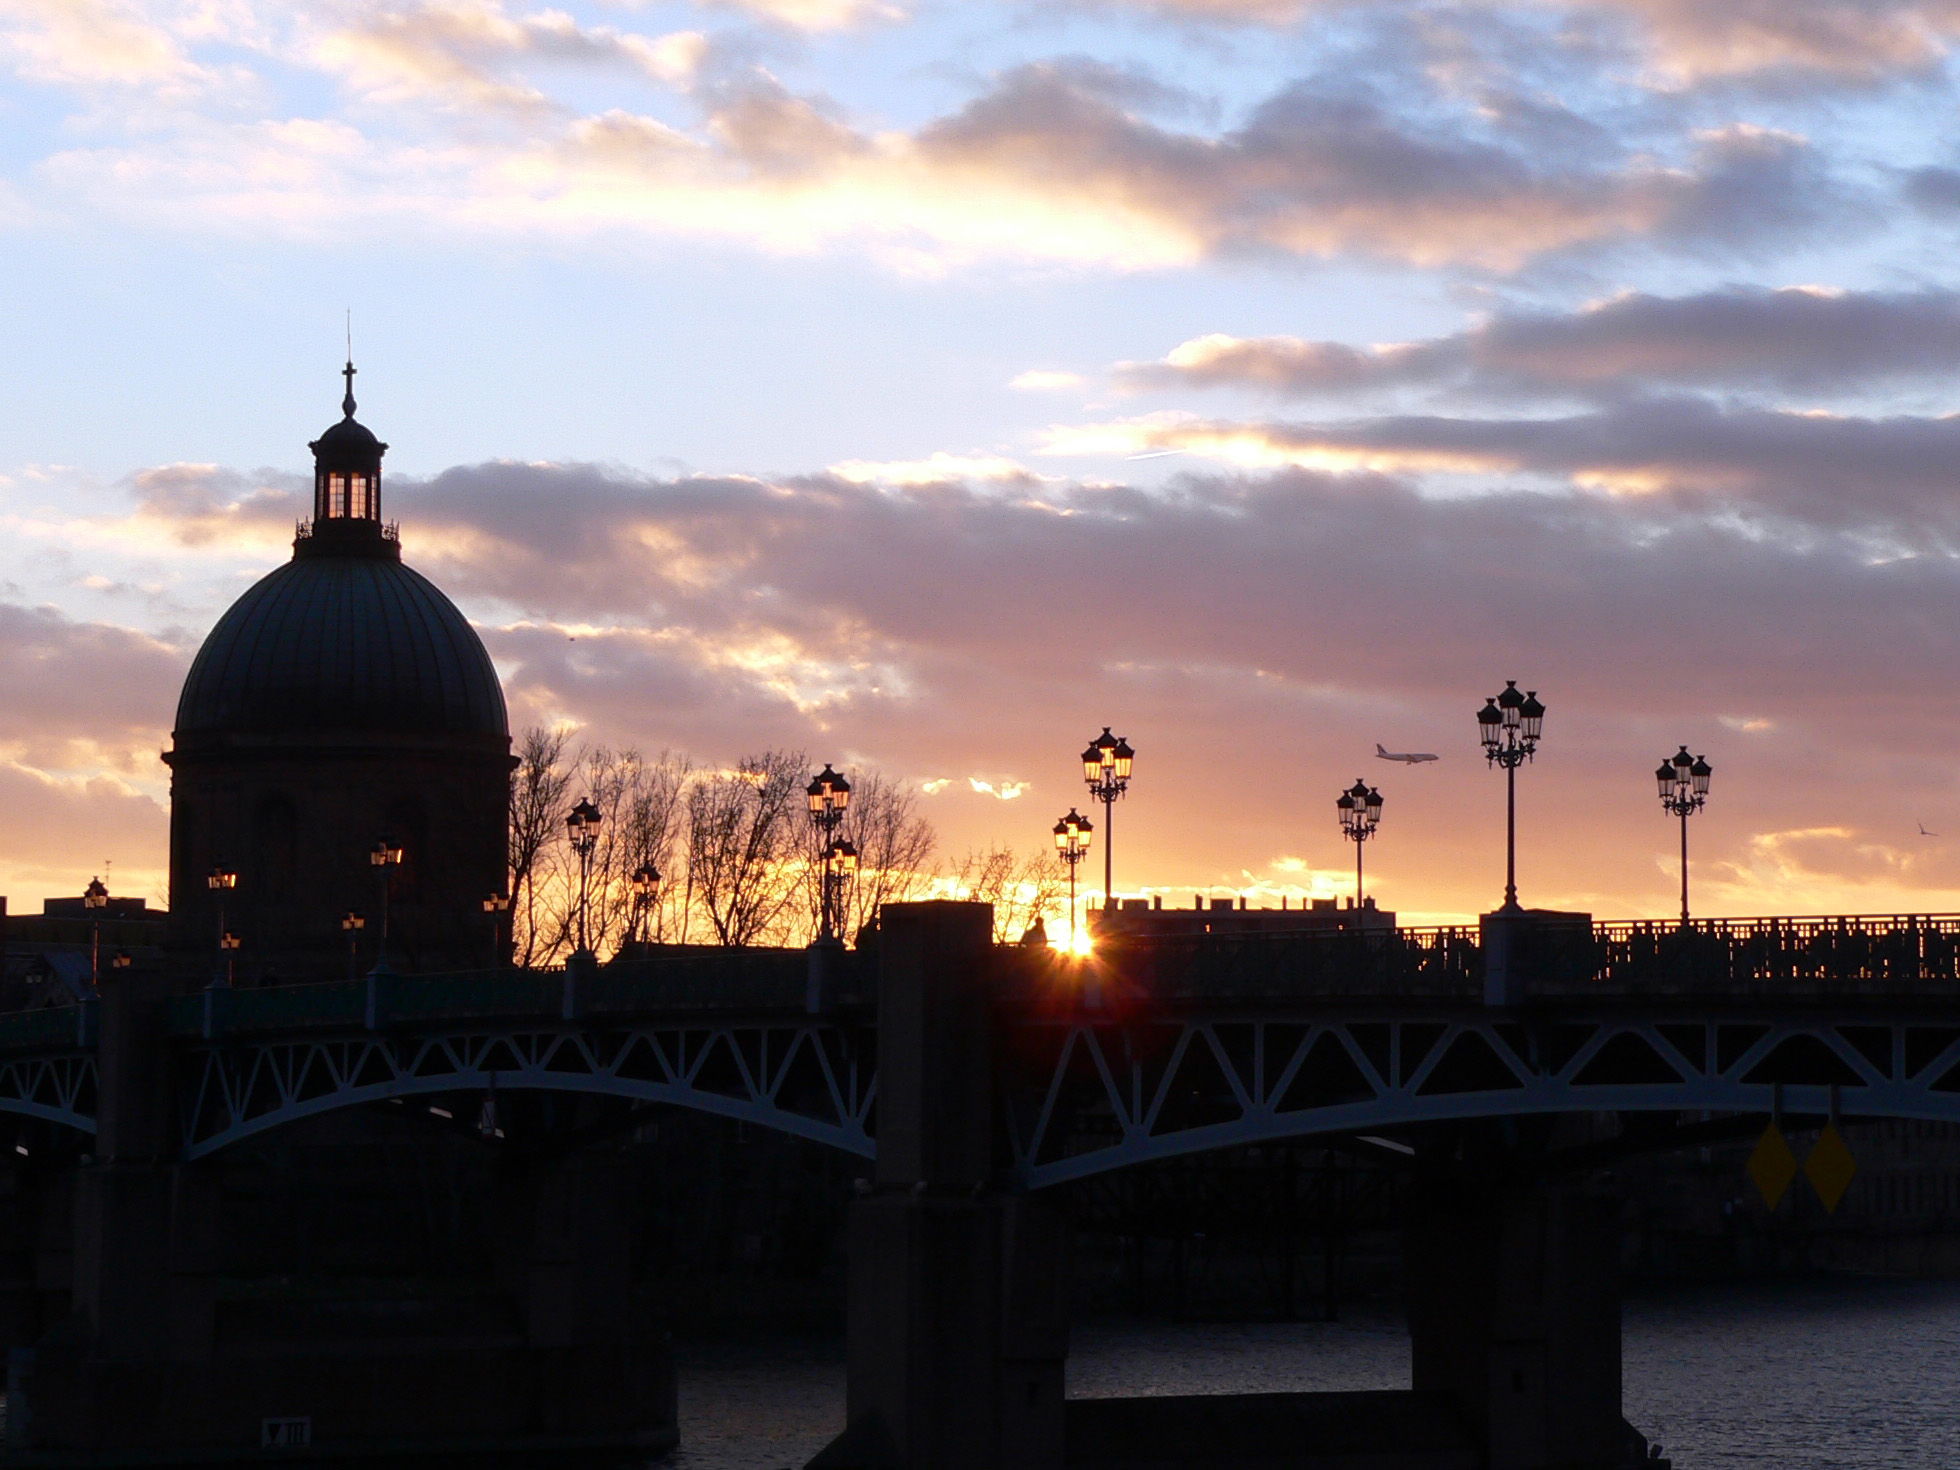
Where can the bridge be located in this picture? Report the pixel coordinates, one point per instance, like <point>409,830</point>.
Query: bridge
<point>970,1078</point>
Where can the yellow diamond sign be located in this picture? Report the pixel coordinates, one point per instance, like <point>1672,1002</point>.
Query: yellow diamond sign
<point>1772,1166</point>
<point>1829,1167</point>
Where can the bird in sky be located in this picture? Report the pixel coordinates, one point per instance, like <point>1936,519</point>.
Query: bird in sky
<point>1924,833</point>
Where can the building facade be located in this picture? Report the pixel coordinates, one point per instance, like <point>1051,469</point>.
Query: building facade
<point>342,702</point>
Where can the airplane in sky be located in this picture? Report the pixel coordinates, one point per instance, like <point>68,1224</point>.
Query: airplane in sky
<point>1408,758</point>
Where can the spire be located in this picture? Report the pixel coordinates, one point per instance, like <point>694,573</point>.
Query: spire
<point>347,403</point>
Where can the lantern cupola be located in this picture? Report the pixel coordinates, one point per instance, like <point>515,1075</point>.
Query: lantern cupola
<point>347,488</point>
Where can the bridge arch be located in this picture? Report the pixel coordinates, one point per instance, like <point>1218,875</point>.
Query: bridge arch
<point>804,1079</point>
<point>54,1088</point>
<point>1212,1084</point>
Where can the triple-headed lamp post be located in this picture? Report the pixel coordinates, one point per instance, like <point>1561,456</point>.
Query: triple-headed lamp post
<point>582,825</point>
<point>496,905</point>
<point>1360,811</point>
<point>1683,781</point>
<point>95,898</point>
<point>646,887</point>
<point>1106,767</point>
<point>830,796</point>
<point>221,880</point>
<point>1509,725</point>
<point>383,857</point>
<point>1072,837</point>
<point>351,924</point>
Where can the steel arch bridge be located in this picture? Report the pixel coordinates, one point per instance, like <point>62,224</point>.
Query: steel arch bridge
<point>800,1077</point>
<point>1167,1050</point>
<point>1092,1097</point>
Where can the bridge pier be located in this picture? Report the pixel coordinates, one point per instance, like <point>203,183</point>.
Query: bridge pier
<point>1514,1313</point>
<point>957,1311</point>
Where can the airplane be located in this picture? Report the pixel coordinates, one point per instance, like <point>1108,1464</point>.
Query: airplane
<point>1408,758</point>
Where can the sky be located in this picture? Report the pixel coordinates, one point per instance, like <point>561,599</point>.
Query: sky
<point>926,385</point>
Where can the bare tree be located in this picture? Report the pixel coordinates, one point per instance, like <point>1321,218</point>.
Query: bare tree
<point>641,802</point>
<point>745,851</point>
<point>1021,890</point>
<point>893,843</point>
<point>537,808</point>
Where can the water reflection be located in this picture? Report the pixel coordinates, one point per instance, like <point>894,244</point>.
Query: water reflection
<point>1839,1374</point>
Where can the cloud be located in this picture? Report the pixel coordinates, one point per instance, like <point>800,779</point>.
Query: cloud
<point>1887,478</point>
<point>1690,41</point>
<point>458,53</point>
<point>96,43</point>
<point>936,468</point>
<point>84,699</point>
<point>1059,161</point>
<point>1797,339</point>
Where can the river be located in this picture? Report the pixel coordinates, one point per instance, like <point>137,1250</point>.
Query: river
<point>1845,1373</point>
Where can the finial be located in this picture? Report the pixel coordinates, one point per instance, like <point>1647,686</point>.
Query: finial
<point>347,403</point>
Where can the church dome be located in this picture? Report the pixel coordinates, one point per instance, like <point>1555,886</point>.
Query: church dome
<point>343,638</point>
<point>342,643</point>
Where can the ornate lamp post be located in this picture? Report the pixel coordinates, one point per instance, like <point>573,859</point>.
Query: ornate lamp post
<point>582,824</point>
<point>229,944</point>
<point>496,906</point>
<point>1360,811</point>
<point>351,924</point>
<point>840,865</point>
<point>383,857</point>
<point>830,796</point>
<point>1683,781</point>
<point>1509,725</point>
<point>1072,837</point>
<point>1106,767</point>
<point>95,898</point>
<point>221,880</point>
<point>646,887</point>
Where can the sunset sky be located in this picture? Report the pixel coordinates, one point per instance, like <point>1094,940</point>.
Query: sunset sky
<point>929,384</point>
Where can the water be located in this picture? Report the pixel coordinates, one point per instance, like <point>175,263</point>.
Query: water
<point>1838,1374</point>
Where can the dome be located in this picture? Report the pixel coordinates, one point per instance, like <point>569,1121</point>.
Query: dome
<point>348,445</point>
<point>337,643</point>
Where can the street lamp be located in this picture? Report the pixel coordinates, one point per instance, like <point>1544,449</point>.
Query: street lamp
<point>830,796</point>
<point>122,959</point>
<point>228,943</point>
<point>582,824</point>
<point>1509,725</point>
<point>496,906</point>
<point>221,880</point>
<point>1360,811</point>
<point>646,886</point>
<point>351,924</point>
<point>383,856</point>
<point>1072,837</point>
<point>840,865</point>
<point>1683,781</point>
<point>95,898</point>
<point>1106,767</point>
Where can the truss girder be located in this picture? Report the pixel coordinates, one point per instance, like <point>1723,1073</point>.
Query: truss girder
<point>55,1088</point>
<point>1090,1096</point>
<point>802,1078</point>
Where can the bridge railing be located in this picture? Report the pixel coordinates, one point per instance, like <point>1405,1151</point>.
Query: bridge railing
<point>1890,954</point>
<point>729,980</point>
<point>1894,953</point>
<point>1390,963</point>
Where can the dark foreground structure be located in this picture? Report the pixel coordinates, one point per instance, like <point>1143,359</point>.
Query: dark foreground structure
<point>968,1079</point>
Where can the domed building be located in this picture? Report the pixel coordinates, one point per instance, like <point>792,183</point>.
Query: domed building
<point>342,703</point>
